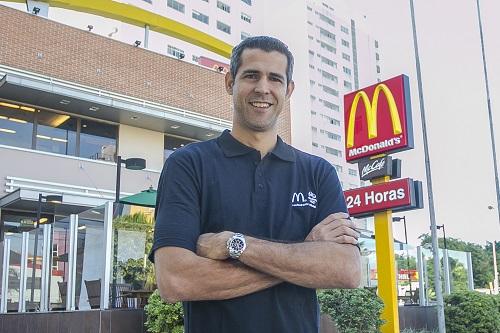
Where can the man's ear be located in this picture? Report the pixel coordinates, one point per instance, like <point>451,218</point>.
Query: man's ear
<point>289,89</point>
<point>229,82</point>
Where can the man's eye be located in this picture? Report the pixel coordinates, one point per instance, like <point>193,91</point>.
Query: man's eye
<point>251,76</point>
<point>276,79</point>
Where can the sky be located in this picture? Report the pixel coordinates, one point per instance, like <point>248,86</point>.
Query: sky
<point>455,106</point>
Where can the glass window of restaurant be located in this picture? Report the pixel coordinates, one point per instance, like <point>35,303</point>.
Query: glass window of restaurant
<point>56,132</point>
<point>172,143</point>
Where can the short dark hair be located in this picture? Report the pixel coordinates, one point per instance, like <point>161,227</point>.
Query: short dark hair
<point>264,43</point>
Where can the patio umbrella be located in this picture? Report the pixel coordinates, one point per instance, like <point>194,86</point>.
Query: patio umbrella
<point>146,198</point>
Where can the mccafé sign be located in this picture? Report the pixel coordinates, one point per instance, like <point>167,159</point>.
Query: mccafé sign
<point>378,119</point>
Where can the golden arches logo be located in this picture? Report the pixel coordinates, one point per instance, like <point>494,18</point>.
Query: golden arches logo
<point>371,113</point>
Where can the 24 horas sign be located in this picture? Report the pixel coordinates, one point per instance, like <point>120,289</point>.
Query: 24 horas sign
<point>378,119</point>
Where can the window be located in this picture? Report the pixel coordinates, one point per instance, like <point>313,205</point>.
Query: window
<point>344,29</point>
<point>376,43</point>
<point>148,1</point>
<point>346,70</point>
<point>56,133</point>
<point>330,105</point>
<point>173,51</point>
<point>172,143</point>
<point>310,37</point>
<point>345,43</point>
<point>313,112</point>
<point>311,66</point>
<point>248,2</point>
<point>313,98</point>
<point>335,122</point>
<point>327,34</point>
<point>329,62</point>
<point>246,18</point>
<point>244,35</point>
<point>347,84</point>
<point>223,6</point>
<point>16,125</point>
<point>377,56</point>
<point>330,91</point>
<point>331,135</point>
<point>346,56</point>
<point>353,172</point>
<point>309,9</point>
<point>98,140</point>
<point>333,151</point>
<point>176,5</point>
<point>309,22</point>
<point>315,144</point>
<point>326,19</point>
<point>338,168</point>
<point>223,27</point>
<point>196,58</point>
<point>312,82</point>
<point>328,47</point>
<point>378,69</point>
<point>329,76</point>
<point>200,17</point>
<point>311,52</point>
<point>314,129</point>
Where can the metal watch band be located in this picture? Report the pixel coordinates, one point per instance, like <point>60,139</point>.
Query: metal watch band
<point>236,245</point>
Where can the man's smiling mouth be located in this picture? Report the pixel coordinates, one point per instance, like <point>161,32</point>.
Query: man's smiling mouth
<point>261,105</point>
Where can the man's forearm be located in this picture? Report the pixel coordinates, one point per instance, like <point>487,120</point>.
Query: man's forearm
<point>184,276</point>
<point>310,264</point>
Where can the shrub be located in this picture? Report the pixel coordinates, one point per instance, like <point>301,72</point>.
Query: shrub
<point>163,317</point>
<point>352,310</point>
<point>470,311</point>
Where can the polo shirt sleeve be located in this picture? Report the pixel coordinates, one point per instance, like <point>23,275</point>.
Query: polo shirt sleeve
<point>330,194</point>
<point>177,211</point>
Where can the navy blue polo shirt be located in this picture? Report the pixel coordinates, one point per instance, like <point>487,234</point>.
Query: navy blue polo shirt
<point>221,184</point>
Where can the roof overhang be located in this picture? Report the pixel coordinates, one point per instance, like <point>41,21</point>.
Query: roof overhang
<point>46,92</point>
<point>27,201</point>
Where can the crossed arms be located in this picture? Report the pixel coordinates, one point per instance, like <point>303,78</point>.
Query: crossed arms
<point>328,258</point>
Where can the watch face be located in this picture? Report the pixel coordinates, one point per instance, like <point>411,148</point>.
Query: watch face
<point>237,244</point>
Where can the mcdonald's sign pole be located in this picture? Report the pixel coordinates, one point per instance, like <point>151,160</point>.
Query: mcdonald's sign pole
<point>377,122</point>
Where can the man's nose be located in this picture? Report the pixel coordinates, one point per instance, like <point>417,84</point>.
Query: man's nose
<point>263,86</point>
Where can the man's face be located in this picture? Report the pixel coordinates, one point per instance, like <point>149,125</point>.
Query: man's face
<point>259,89</point>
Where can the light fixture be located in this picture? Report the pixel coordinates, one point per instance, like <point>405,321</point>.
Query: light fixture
<point>25,108</point>
<point>82,227</point>
<point>220,69</point>
<point>64,102</point>
<point>3,117</point>
<point>209,134</point>
<point>93,108</point>
<point>84,125</point>
<point>59,140</point>
<point>134,117</point>
<point>9,105</point>
<point>90,27</point>
<point>180,56</point>
<point>130,163</point>
<point>36,10</point>
<point>43,137</point>
<point>137,43</point>
<point>18,120</point>
<point>59,120</point>
<point>43,220</point>
<point>175,126</point>
<point>5,130</point>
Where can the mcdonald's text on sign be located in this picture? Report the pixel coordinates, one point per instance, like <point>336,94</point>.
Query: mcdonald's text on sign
<point>396,195</point>
<point>378,119</point>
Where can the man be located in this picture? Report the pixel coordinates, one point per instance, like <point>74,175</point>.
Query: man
<point>247,226</point>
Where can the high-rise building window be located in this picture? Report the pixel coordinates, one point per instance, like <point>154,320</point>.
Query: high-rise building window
<point>335,122</point>
<point>148,1</point>
<point>347,84</point>
<point>327,34</point>
<point>376,43</point>
<point>173,51</point>
<point>329,76</point>
<point>353,172</point>
<point>244,35</point>
<point>345,43</point>
<point>326,19</point>
<point>377,56</point>
<point>330,91</point>
<point>309,9</point>
<point>223,6</point>
<point>223,27</point>
<point>344,29</point>
<point>196,58</point>
<point>333,151</point>
<point>246,17</point>
<point>314,129</point>
<point>328,47</point>
<point>338,168</point>
<point>329,62</point>
<point>200,17</point>
<point>248,2</point>
<point>378,69</point>
<point>314,144</point>
<point>330,105</point>
<point>346,70</point>
<point>346,56</point>
<point>176,5</point>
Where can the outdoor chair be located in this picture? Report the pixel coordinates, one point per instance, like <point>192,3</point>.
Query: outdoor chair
<point>94,293</point>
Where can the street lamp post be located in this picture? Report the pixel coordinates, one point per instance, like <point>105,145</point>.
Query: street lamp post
<point>398,219</point>
<point>50,199</point>
<point>131,164</point>
<point>444,234</point>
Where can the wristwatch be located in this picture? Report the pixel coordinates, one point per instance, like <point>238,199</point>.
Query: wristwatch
<point>236,245</point>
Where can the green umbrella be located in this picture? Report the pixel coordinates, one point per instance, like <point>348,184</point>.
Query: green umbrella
<point>146,198</point>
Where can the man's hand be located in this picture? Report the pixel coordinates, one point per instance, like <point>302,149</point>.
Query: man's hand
<point>336,228</point>
<point>213,246</point>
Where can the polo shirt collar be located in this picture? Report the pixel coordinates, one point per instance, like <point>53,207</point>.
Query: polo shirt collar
<point>232,147</point>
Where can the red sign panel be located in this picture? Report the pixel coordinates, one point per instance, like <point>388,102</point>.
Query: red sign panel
<point>378,119</point>
<point>366,200</point>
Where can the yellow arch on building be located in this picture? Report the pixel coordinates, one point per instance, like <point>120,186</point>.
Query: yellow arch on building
<point>140,17</point>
